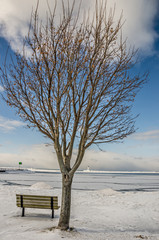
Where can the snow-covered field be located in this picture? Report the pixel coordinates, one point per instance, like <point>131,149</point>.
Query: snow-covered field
<point>110,208</point>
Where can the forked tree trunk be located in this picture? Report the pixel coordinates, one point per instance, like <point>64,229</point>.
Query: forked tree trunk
<point>65,203</point>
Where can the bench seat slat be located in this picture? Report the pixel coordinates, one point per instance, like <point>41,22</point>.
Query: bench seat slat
<point>48,205</point>
<point>37,206</point>
<point>43,196</point>
<point>36,201</point>
<point>37,197</point>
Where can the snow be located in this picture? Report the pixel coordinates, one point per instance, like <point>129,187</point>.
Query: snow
<point>40,185</point>
<point>103,214</point>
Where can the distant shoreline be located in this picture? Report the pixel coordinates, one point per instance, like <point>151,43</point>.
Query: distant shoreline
<point>4,169</point>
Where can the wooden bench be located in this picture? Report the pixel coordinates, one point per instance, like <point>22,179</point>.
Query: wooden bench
<point>34,201</point>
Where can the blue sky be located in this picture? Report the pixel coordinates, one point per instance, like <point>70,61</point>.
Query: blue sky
<point>139,151</point>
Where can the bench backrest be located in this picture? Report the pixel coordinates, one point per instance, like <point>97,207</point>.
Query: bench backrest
<point>34,201</point>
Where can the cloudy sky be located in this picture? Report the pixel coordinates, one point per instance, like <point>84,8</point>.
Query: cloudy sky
<point>139,151</point>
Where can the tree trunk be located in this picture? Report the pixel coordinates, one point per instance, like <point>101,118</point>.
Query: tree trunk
<point>65,203</point>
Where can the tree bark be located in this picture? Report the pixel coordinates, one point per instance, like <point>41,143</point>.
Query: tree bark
<point>65,202</point>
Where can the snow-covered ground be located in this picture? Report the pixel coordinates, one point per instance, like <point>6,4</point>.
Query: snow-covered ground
<point>98,213</point>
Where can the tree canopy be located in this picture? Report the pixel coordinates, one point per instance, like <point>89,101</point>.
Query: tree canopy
<point>73,82</point>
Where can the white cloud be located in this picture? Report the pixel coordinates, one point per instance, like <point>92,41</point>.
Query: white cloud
<point>149,135</point>
<point>41,156</point>
<point>1,89</point>
<point>119,162</point>
<point>139,16</point>
<point>9,124</point>
<point>35,156</point>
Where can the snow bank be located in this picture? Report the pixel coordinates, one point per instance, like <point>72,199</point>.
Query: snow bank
<point>40,185</point>
<point>39,188</point>
<point>107,192</point>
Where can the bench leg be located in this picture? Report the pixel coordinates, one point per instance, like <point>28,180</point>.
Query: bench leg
<point>52,213</point>
<point>23,212</point>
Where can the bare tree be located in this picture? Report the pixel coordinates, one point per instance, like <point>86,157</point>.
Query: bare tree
<point>73,82</point>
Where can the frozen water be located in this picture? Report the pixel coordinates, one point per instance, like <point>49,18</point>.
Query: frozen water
<point>86,180</point>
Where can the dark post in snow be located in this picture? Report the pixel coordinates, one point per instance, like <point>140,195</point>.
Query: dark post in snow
<point>73,83</point>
